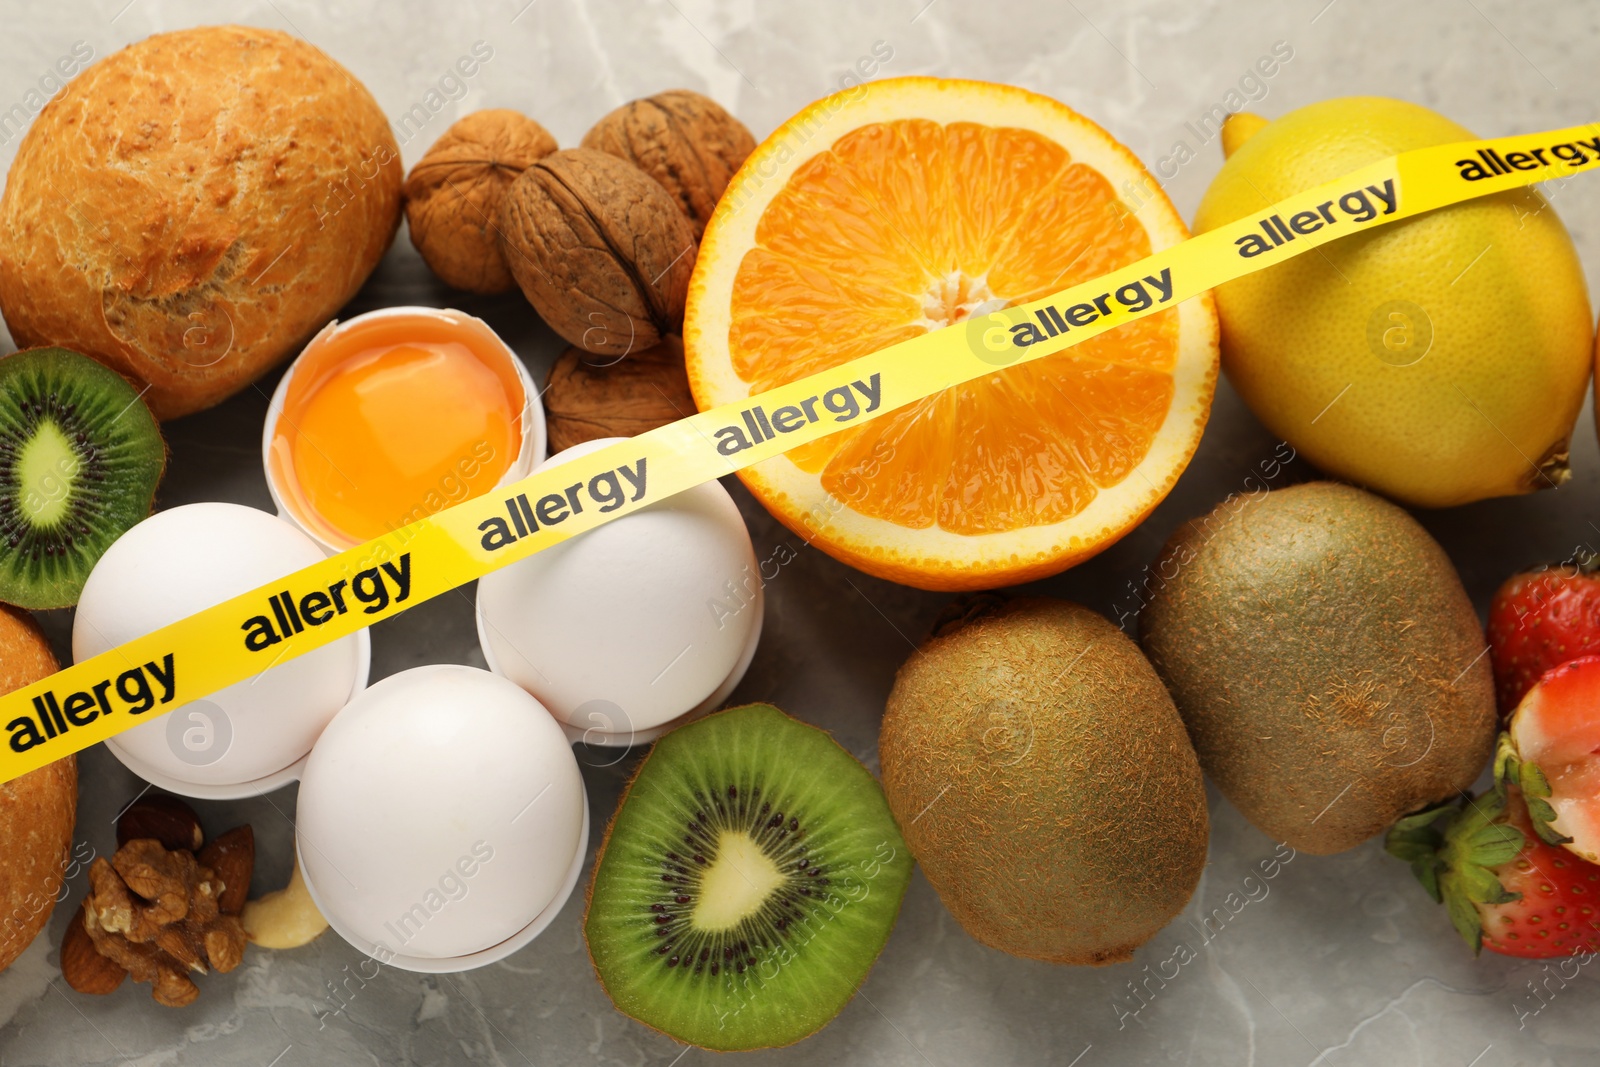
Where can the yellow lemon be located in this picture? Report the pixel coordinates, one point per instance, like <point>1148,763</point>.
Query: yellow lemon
<point>1439,360</point>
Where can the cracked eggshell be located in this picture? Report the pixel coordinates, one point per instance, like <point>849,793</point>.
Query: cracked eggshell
<point>624,628</point>
<point>250,736</point>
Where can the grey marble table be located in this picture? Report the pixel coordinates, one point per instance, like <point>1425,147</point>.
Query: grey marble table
<point>1336,961</point>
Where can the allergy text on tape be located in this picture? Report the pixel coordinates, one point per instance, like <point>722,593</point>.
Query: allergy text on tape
<point>239,638</point>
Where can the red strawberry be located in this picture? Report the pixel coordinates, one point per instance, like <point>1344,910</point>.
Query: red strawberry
<point>1551,751</point>
<point>1542,619</point>
<point>1506,890</point>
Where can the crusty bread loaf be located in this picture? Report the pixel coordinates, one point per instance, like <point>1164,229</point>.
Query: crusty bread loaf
<point>191,209</point>
<point>36,811</point>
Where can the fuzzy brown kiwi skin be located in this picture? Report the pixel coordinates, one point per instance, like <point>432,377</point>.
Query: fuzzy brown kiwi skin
<point>1326,659</point>
<point>1042,778</point>
<point>600,853</point>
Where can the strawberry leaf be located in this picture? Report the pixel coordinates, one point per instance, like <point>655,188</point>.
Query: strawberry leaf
<point>1467,922</point>
<point>1533,781</point>
<point>1512,769</point>
<point>1476,845</point>
<point>1428,875</point>
<point>1477,885</point>
<point>1417,839</point>
<point>1541,814</point>
<point>1506,760</point>
<point>1494,845</point>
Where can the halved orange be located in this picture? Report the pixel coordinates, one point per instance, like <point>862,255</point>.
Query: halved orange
<point>906,205</point>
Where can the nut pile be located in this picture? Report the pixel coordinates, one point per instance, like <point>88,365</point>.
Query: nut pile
<point>164,908</point>
<point>601,239</point>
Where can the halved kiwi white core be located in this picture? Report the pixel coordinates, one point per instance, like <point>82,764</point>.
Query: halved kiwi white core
<point>80,458</point>
<point>747,883</point>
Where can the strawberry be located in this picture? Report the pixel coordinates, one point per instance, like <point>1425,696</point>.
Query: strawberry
<point>1541,619</point>
<point>1551,751</point>
<point>1506,890</point>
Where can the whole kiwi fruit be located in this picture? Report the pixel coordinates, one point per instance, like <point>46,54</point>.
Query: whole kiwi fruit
<point>1043,779</point>
<point>1326,660</point>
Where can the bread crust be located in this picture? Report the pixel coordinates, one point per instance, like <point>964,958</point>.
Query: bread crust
<point>190,209</point>
<point>37,811</point>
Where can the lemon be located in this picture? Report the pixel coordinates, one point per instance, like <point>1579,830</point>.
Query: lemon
<point>1439,360</point>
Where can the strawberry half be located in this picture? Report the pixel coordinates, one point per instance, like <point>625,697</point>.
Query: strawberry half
<point>1539,620</point>
<point>1505,889</point>
<point>1551,751</point>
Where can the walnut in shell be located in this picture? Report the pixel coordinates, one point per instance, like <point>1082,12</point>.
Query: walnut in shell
<point>453,195</point>
<point>683,140</point>
<point>589,396</point>
<point>599,249</point>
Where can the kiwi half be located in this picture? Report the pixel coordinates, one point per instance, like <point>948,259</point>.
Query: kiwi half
<point>749,879</point>
<point>80,458</point>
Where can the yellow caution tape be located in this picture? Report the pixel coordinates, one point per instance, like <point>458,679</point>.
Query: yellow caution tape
<point>111,692</point>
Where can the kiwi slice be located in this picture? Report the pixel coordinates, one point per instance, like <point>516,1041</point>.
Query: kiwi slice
<point>80,457</point>
<point>749,879</point>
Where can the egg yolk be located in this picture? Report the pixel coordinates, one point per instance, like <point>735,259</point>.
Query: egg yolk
<point>394,432</point>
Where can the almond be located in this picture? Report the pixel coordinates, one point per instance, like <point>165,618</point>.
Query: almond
<point>162,818</point>
<point>232,858</point>
<point>82,965</point>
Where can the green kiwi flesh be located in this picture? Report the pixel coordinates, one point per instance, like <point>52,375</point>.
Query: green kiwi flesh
<point>748,880</point>
<point>80,458</point>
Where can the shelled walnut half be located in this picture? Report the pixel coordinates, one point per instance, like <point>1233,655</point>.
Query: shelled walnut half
<point>161,913</point>
<point>156,913</point>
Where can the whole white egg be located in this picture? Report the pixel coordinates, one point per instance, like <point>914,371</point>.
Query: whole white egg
<point>626,627</point>
<point>441,813</point>
<point>184,560</point>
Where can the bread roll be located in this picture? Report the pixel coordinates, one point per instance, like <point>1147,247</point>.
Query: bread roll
<point>37,811</point>
<point>191,209</point>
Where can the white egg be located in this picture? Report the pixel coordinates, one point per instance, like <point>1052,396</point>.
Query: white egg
<point>442,819</point>
<point>249,736</point>
<point>625,628</point>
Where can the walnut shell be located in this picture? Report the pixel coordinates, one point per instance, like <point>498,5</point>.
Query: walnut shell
<point>586,398</point>
<point>453,196</point>
<point>599,249</point>
<point>683,140</point>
